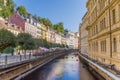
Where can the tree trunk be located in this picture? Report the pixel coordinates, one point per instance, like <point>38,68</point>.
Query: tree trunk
<point>25,54</point>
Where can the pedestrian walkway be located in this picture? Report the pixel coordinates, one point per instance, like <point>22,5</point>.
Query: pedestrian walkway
<point>9,59</point>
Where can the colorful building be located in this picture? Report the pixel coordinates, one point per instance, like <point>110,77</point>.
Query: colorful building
<point>48,34</point>
<point>44,31</point>
<point>52,35</point>
<point>31,27</point>
<point>63,39</point>
<point>70,38</point>
<point>3,25</point>
<point>17,21</point>
<point>58,38</point>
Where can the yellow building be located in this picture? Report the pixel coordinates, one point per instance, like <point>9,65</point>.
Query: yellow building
<point>48,34</point>
<point>43,32</point>
<point>104,31</point>
<point>83,36</point>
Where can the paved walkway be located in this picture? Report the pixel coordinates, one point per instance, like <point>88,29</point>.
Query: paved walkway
<point>13,59</point>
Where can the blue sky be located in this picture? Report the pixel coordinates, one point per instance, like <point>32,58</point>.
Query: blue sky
<point>70,12</point>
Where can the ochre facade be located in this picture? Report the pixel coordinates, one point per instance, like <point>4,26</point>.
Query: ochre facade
<point>83,36</point>
<point>104,31</point>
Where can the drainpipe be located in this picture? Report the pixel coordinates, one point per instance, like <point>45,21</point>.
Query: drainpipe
<point>110,31</point>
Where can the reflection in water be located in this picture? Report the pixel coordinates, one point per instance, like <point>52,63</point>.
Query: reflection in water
<point>65,68</point>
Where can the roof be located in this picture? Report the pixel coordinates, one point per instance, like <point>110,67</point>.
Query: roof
<point>3,25</point>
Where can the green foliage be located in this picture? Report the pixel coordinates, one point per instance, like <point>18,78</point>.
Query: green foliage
<point>8,10</point>
<point>38,18</point>
<point>46,22</point>
<point>7,39</point>
<point>8,50</point>
<point>22,10</point>
<point>25,41</point>
<point>59,27</point>
<point>38,43</point>
<point>1,1</point>
<point>11,6</point>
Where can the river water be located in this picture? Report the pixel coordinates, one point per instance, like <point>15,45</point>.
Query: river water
<point>63,68</point>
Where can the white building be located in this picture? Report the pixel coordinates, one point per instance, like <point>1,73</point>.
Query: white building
<point>33,27</point>
<point>70,36</point>
<point>38,30</point>
<point>58,38</point>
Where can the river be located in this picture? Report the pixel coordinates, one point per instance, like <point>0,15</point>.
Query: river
<point>63,68</point>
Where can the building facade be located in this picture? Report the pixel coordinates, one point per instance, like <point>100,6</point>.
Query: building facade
<point>103,31</point>
<point>58,38</point>
<point>3,25</point>
<point>70,37</point>
<point>52,35</point>
<point>63,40</point>
<point>76,40</point>
<point>48,34</point>
<point>17,21</point>
<point>43,32</point>
<point>38,30</point>
<point>31,27</point>
<point>83,35</point>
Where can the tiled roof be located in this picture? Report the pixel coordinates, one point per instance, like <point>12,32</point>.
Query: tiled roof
<point>3,25</point>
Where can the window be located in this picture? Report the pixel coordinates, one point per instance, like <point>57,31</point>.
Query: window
<point>96,29</point>
<point>102,4</point>
<point>103,46</point>
<point>102,24</point>
<point>114,45</point>
<point>96,45</point>
<point>113,16</point>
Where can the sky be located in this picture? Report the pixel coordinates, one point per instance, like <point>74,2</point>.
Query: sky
<point>70,12</point>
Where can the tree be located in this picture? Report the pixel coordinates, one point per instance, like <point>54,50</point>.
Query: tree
<point>8,10</point>
<point>10,4</point>
<point>25,41</point>
<point>1,7</point>
<point>38,43</point>
<point>8,50</point>
<point>5,12</point>
<point>22,10</point>
<point>46,22</point>
<point>59,27</point>
<point>7,39</point>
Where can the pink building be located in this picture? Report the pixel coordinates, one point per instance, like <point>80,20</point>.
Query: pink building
<point>75,42</point>
<point>17,21</point>
<point>52,36</point>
